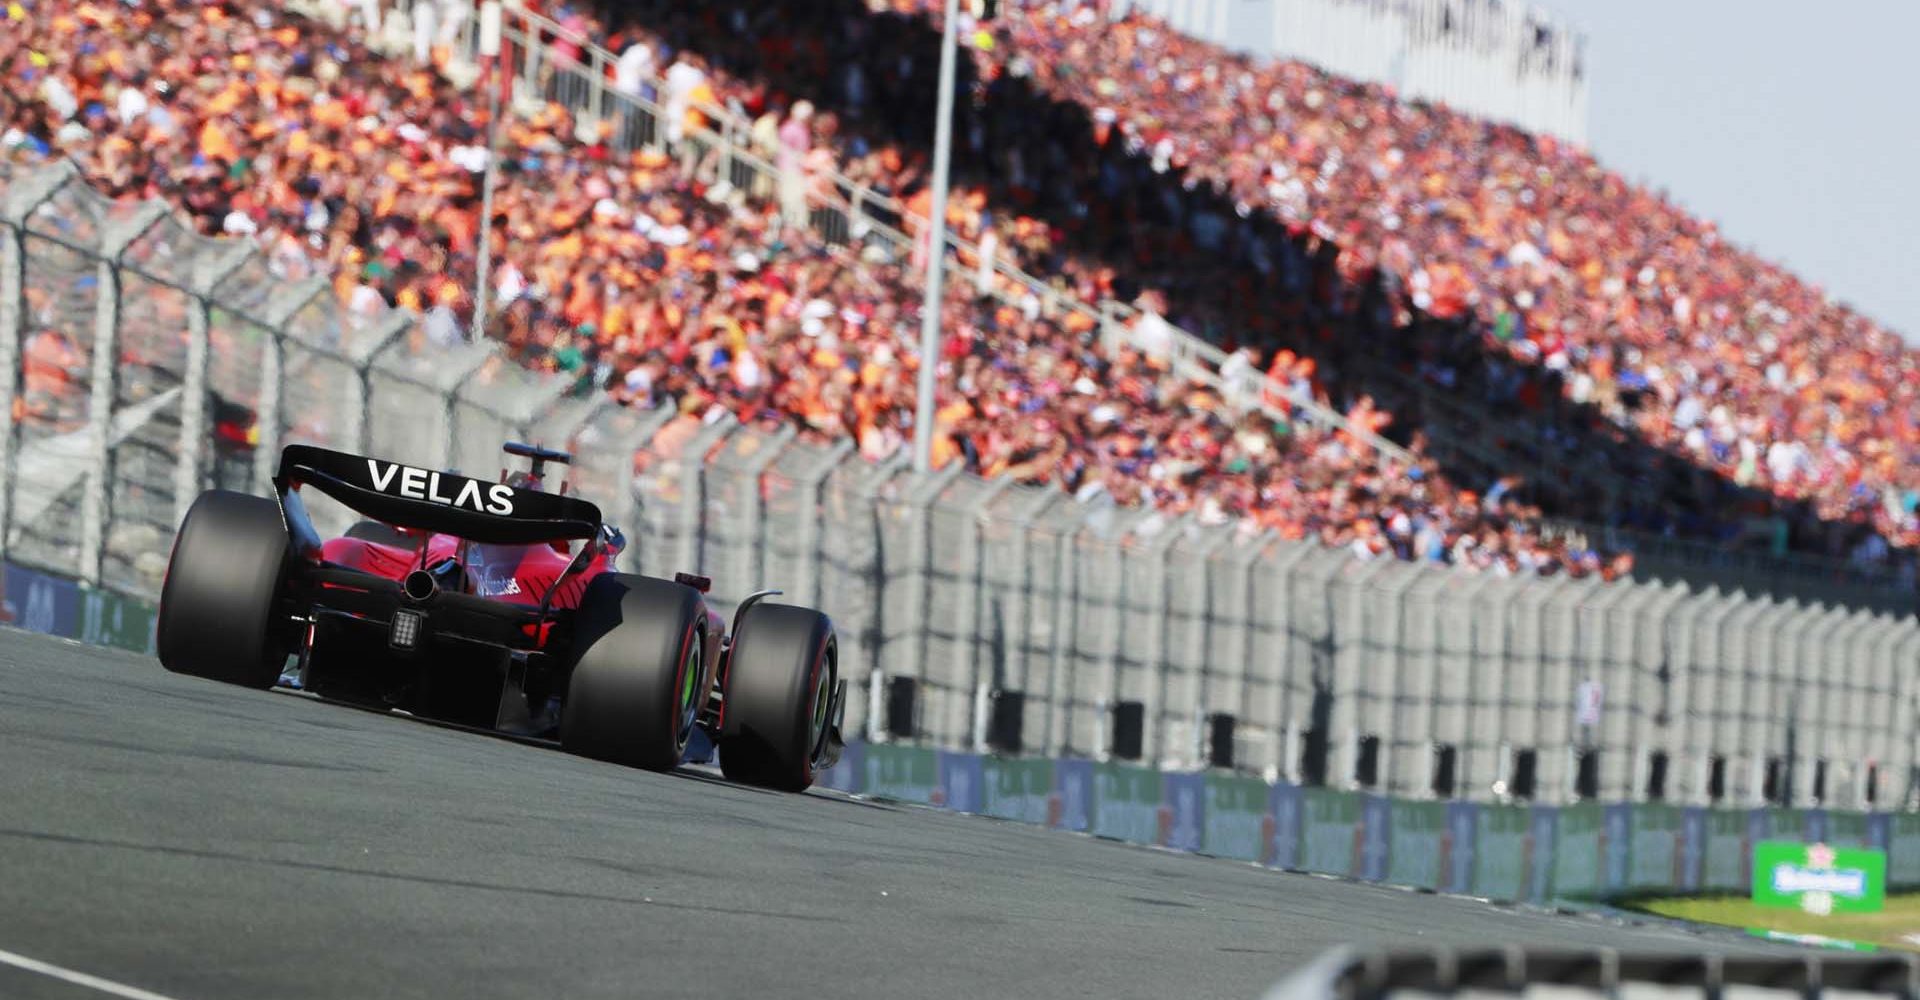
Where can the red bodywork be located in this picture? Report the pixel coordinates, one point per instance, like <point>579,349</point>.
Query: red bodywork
<point>510,574</point>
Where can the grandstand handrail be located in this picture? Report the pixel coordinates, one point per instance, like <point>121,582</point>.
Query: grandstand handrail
<point>1111,317</point>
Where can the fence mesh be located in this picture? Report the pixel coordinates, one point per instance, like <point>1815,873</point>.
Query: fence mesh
<point>1025,619</point>
<point>61,290</point>
<point>154,307</point>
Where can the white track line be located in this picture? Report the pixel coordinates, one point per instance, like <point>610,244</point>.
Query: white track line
<point>106,986</point>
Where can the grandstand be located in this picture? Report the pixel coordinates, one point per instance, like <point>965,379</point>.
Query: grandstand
<point>1468,358</point>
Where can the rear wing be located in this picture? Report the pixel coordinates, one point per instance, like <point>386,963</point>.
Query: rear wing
<point>410,497</point>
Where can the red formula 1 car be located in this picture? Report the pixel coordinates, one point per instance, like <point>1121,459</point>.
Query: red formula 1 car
<point>495,605</point>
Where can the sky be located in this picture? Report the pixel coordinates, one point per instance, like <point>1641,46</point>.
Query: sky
<point>1794,126</point>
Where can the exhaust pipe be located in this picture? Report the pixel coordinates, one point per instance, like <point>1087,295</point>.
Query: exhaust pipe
<point>419,586</point>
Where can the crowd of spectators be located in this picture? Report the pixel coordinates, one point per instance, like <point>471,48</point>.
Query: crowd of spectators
<point>1654,325</point>
<point>628,272</point>
<point>1201,181</point>
<point>1650,315</point>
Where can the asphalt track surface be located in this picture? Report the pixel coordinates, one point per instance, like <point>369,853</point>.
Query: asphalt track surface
<point>201,841</point>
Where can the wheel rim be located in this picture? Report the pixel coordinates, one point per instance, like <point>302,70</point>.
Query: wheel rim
<point>822,698</point>
<point>689,680</point>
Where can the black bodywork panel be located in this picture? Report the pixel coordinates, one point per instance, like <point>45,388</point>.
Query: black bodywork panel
<point>411,497</point>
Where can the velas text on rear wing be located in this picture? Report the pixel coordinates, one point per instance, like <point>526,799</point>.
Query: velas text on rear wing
<point>423,484</point>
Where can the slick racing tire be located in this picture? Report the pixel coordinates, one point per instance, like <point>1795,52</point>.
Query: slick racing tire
<point>779,687</point>
<point>636,688</point>
<point>223,581</point>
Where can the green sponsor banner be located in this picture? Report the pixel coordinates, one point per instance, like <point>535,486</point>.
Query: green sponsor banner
<point>907,774</point>
<point>1903,849</point>
<point>1847,829</point>
<point>1576,853</point>
<point>1725,866</point>
<point>1500,852</point>
<point>109,619</point>
<point>1413,851</point>
<point>1016,788</point>
<point>1819,878</point>
<point>1329,826</point>
<point>1126,803</point>
<point>1236,824</point>
<point>1653,845</point>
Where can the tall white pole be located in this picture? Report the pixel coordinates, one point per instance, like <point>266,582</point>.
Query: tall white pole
<point>936,250</point>
<point>483,254</point>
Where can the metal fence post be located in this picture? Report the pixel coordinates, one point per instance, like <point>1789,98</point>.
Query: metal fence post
<point>693,499</point>
<point>1906,717</point>
<point>1252,560</point>
<point>1351,682</point>
<point>1498,645</point>
<point>1210,629</point>
<point>757,507</point>
<point>1458,699</point>
<point>1884,751</point>
<point>809,587</point>
<point>23,197</point>
<point>1157,742</point>
<point>357,434</point>
<point>625,505</point>
<point>1124,525</point>
<point>1695,659</point>
<point>13,308</point>
<point>853,494</point>
<point>920,499</point>
<point>450,403</point>
<point>968,640</point>
<point>280,311</point>
<point>115,237</point>
<point>1017,600</point>
<point>1056,734</point>
<point>1410,768</point>
<point>189,471</point>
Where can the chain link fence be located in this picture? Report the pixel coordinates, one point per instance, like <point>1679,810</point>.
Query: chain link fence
<point>147,363</point>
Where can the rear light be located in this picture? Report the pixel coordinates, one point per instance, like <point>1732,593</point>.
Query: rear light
<point>404,631</point>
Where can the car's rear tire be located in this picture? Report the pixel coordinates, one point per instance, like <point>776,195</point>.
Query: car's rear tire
<point>223,581</point>
<point>780,682</point>
<point>635,691</point>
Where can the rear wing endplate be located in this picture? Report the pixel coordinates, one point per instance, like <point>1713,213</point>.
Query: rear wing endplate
<point>410,497</point>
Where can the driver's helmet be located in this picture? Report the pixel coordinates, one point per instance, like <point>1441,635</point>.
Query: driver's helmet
<point>523,480</point>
